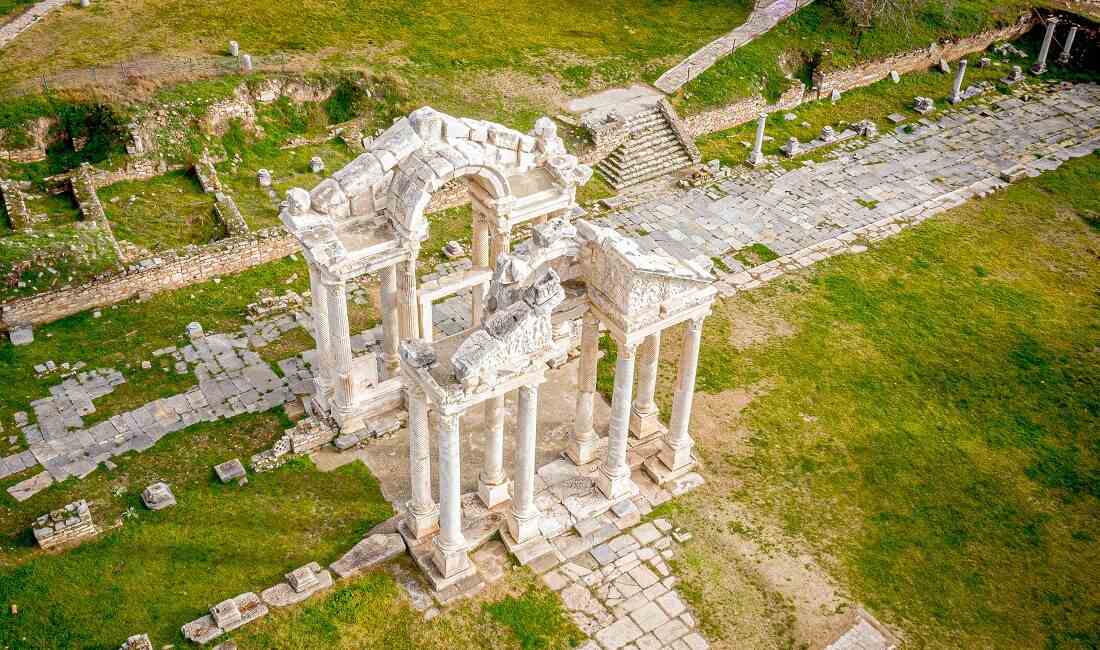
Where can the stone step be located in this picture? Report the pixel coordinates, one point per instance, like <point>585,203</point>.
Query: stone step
<point>618,180</point>
<point>621,167</point>
<point>649,141</point>
<point>626,158</point>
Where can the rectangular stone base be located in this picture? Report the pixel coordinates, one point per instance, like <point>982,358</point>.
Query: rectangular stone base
<point>494,495</point>
<point>423,553</point>
<point>662,475</point>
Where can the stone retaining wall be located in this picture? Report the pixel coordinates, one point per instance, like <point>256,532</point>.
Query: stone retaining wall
<point>220,258</point>
<point>19,217</point>
<point>746,110</point>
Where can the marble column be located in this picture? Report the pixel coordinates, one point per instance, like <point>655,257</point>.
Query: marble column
<point>319,296</point>
<point>423,515</point>
<point>643,415</point>
<point>450,545</point>
<point>427,325</point>
<point>480,254</point>
<point>956,89</point>
<point>1067,49</point>
<point>492,484</point>
<point>523,519</point>
<point>502,243</point>
<point>391,333</point>
<point>1041,64</point>
<point>582,447</point>
<point>340,340</point>
<point>613,479</point>
<point>756,158</point>
<point>408,309</point>
<point>676,448</point>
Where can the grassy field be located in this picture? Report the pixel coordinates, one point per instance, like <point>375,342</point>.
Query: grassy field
<point>161,213</point>
<point>74,254</point>
<point>12,7</point>
<point>518,612</point>
<point>922,417</point>
<point>578,43</point>
<point>820,36</point>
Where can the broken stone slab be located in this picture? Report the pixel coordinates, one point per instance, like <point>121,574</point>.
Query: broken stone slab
<point>158,496</point>
<point>224,617</point>
<point>924,105</point>
<point>229,470</point>
<point>453,250</point>
<point>137,642</point>
<point>301,583</point>
<point>372,550</point>
<point>26,489</point>
<point>21,335</point>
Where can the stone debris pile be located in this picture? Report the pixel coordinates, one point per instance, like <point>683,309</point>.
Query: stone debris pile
<point>224,617</point>
<point>137,642</point>
<point>300,584</point>
<point>64,525</point>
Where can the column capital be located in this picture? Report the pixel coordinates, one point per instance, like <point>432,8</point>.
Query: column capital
<point>627,351</point>
<point>590,319</point>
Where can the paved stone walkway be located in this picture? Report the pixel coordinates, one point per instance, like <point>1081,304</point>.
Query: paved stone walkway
<point>867,192</point>
<point>760,21</point>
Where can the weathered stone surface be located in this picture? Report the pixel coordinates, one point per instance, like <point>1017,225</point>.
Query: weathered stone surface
<point>301,583</point>
<point>137,642</point>
<point>27,488</point>
<point>158,496</point>
<point>224,617</point>
<point>373,550</point>
<point>64,525</point>
<point>230,470</point>
<point>21,335</point>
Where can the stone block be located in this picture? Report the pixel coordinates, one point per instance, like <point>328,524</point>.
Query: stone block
<point>230,470</point>
<point>21,335</point>
<point>194,331</point>
<point>137,642</point>
<point>301,583</point>
<point>372,550</point>
<point>158,496</point>
<point>64,525</point>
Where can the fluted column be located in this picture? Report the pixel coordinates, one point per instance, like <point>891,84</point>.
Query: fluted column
<point>319,295</point>
<point>423,515</point>
<point>450,545</point>
<point>340,340</point>
<point>409,310</point>
<point>1041,64</point>
<point>492,484</point>
<point>391,333</point>
<point>523,520</point>
<point>502,242</point>
<point>613,478</point>
<point>676,448</point>
<point>643,415</point>
<point>582,447</point>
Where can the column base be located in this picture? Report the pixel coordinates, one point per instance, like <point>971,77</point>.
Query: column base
<point>956,99</point>
<point>662,475</point>
<point>643,425</point>
<point>583,452</point>
<point>1039,68</point>
<point>493,494</point>
<point>676,458</point>
<point>1063,60</point>
<point>524,527</point>
<point>452,564</point>
<point>615,488</point>
<point>422,525</point>
<point>755,160</point>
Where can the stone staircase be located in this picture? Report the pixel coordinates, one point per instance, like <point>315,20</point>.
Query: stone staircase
<point>656,145</point>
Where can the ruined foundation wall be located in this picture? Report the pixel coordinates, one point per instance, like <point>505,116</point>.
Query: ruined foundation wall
<point>746,110</point>
<point>221,258</point>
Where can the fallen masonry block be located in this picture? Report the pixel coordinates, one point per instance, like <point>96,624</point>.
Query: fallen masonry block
<point>158,496</point>
<point>373,550</point>
<point>21,335</point>
<point>224,617</point>
<point>300,584</point>
<point>229,470</point>
<point>194,331</point>
<point>137,642</point>
<point>64,525</point>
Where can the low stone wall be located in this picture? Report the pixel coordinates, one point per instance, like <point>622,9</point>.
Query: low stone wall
<point>64,525</point>
<point>135,169</point>
<point>19,217</point>
<point>746,110</point>
<point>220,258</point>
<point>225,208</point>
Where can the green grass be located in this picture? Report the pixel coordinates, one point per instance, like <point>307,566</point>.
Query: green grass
<point>161,213</point>
<point>162,569</point>
<point>873,102</point>
<point>755,254</point>
<point>289,168</point>
<point>371,612</point>
<point>76,253</point>
<point>13,6</point>
<point>614,42</point>
<point>929,427</point>
<point>820,36</point>
<point>443,226</point>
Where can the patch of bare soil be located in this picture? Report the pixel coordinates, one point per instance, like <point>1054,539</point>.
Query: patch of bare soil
<point>537,91</point>
<point>754,324</point>
<point>739,549</point>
